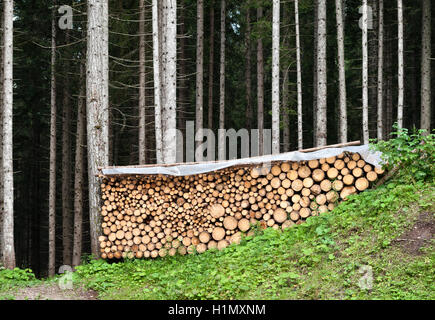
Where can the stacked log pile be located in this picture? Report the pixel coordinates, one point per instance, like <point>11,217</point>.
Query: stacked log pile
<point>156,215</point>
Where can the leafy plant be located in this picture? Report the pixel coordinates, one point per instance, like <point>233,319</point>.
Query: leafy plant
<point>413,152</point>
<point>15,278</point>
<point>17,274</point>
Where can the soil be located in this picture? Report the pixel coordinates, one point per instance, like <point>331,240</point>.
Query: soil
<point>419,235</point>
<point>53,292</point>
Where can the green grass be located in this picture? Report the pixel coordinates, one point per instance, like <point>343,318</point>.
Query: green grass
<point>13,280</point>
<point>320,259</point>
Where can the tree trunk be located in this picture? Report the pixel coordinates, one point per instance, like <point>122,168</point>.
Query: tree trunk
<point>248,67</point>
<point>163,56</point>
<point>7,155</point>
<point>315,46</point>
<point>389,85</point>
<point>183,86</point>
<point>372,35</point>
<point>1,131</point>
<point>221,135</point>
<point>157,81</point>
<point>79,171</point>
<point>199,124</point>
<point>299,77</point>
<point>97,111</point>
<point>321,129</point>
<point>342,136</point>
<point>52,172</point>
<point>426,67</point>
<point>211,68</point>
<point>170,81</point>
<point>142,84</point>
<point>260,86</point>
<point>365,107</point>
<point>380,123</point>
<point>285,107</point>
<point>400,64</point>
<point>275,77</point>
<point>67,218</point>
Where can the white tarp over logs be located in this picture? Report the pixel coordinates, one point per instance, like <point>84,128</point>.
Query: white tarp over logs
<point>186,169</point>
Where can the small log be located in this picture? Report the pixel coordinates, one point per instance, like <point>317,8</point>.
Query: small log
<point>332,173</point>
<point>222,244</point>
<point>218,233</point>
<point>297,185</point>
<point>304,171</point>
<point>243,225</point>
<point>305,212</point>
<point>347,191</point>
<point>318,175</point>
<point>348,179</point>
<point>230,223</point>
<point>280,215</point>
<point>204,237</point>
<point>285,167</point>
<point>325,185</point>
<point>361,184</point>
<point>201,248</point>
<point>216,210</point>
<point>287,224</point>
<point>371,176</point>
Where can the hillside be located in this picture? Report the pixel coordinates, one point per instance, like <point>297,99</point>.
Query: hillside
<point>389,229</point>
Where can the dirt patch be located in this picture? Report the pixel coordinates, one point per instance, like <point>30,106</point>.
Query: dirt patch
<point>53,292</point>
<point>419,235</point>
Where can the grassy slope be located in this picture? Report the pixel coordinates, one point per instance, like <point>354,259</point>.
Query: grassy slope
<point>320,259</point>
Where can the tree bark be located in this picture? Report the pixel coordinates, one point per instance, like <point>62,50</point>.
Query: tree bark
<point>426,49</point>
<point>248,67</point>
<point>79,171</point>
<point>211,68</point>
<point>52,170</point>
<point>275,76</point>
<point>199,123</point>
<point>221,136</point>
<point>7,155</point>
<point>342,136</point>
<point>380,123</point>
<point>321,128</point>
<point>142,84</point>
<point>260,86</point>
<point>389,85</point>
<point>400,64</point>
<point>1,131</point>
<point>170,81</point>
<point>67,218</point>
<point>315,46</point>
<point>299,77</point>
<point>365,107</point>
<point>372,35</point>
<point>157,81</point>
<point>97,108</point>
<point>183,78</point>
<point>285,107</point>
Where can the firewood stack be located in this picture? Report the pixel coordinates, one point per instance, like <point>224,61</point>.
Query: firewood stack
<point>156,215</point>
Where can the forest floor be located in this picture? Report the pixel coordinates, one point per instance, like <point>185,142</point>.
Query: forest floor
<point>49,291</point>
<point>379,244</point>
